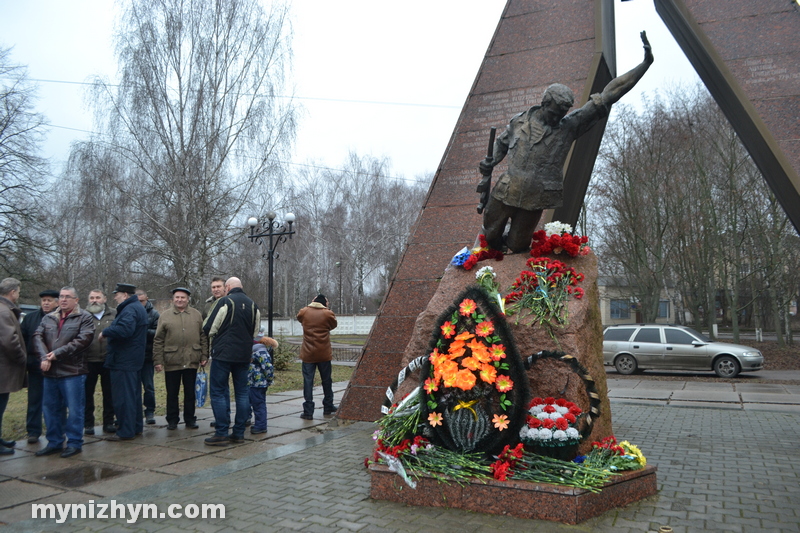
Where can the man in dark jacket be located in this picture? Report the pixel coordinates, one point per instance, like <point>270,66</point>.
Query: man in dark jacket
<point>127,339</point>
<point>60,342</point>
<point>230,328</point>
<point>316,353</point>
<point>12,351</point>
<point>96,359</point>
<point>149,395</point>
<point>48,301</point>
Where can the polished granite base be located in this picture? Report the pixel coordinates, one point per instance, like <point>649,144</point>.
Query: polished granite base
<point>517,498</point>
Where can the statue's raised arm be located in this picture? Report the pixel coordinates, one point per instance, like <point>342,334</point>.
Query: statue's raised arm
<point>620,85</point>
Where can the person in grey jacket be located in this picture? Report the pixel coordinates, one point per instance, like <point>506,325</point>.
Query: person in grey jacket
<point>96,360</point>
<point>61,341</point>
<point>179,348</point>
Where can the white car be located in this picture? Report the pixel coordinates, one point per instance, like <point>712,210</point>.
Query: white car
<point>635,347</point>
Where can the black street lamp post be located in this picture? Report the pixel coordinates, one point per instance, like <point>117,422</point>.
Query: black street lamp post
<point>271,234</point>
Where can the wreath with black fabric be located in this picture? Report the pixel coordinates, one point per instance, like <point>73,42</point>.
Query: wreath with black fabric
<point>474,386</point>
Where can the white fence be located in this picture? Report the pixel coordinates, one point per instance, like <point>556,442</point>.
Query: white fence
<point>348,325</point>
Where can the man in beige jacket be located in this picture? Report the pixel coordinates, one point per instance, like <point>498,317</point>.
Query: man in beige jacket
<point>179,348</point>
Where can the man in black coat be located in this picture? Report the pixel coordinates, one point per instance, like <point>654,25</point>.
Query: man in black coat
<point>48,301</point>
<point>230,327</point>
<point>149,395</point>
<point>127,339</point>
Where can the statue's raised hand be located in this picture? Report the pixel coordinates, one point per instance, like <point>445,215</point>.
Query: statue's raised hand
<point>648,51</point>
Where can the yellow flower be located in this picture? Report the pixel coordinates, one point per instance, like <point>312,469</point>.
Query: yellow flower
<point>435,419</point>
<point>631,449</point>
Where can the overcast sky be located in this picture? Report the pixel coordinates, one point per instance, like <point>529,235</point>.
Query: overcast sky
<point>379,78</point>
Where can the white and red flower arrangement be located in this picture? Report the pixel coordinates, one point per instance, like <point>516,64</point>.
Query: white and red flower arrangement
<point>557,237</point>
<point>551,422</point>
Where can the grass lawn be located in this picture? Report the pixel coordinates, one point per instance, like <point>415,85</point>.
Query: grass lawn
<point>292,379</point>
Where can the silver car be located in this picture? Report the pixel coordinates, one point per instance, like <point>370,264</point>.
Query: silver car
<point>633,347</point>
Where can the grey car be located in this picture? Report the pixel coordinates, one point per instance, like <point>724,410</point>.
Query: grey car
<point>635,347</point>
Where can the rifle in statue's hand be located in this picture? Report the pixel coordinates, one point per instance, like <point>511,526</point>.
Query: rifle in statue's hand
<point>485,185</point>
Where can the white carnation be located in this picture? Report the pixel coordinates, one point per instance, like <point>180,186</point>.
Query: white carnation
<point>557,228</point>
<point>555,416</point>
<point>542,416</point>
<point>561,410</point>
<point>545,434</point>
<point>485,270</point>
<point>536,409</point>
<point>573,433</point>
<point>560,435</point>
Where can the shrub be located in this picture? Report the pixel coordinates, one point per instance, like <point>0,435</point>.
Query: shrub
<point>283,355</point>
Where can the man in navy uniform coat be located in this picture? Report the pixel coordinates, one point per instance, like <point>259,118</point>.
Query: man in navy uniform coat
<point>127,339</point>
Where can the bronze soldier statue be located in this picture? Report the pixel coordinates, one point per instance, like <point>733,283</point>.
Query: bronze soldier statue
<point>538,141</point>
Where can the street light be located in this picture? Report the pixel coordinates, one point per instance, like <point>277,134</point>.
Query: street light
<point>275,233</point>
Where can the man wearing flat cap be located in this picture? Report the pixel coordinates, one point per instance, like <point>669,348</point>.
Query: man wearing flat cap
<point>179,348</point>
<point>127,339</point>
<point>48,301</point>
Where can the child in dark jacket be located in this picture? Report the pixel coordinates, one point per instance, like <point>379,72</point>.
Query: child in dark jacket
<point>259,378</point>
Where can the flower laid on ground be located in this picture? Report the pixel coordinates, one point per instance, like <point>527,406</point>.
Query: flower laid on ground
<point>519,464</point>
<point>401,421</point>
<point>480,253</point>
<point>435,419</point>
<point>543,290</point>
<point>487,279</point>
<point>412,455</point>
<point>551,422</point>
<point>557,237</point>
<point>614,457</point>
<point>462,255</point>
<point>633,451</point>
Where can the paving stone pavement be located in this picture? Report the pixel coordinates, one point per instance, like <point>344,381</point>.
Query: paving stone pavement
<point>718,470</point>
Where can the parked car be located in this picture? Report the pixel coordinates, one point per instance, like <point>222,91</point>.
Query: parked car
<point>636,347</point>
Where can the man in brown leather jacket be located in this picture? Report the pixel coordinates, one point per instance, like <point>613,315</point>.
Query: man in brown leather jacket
<point>61,341</point>
<point>316,353</point>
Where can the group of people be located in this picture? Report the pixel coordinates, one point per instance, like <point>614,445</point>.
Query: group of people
<point>60,351</point>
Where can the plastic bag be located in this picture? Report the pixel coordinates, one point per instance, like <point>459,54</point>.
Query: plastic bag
<point>201,387</point>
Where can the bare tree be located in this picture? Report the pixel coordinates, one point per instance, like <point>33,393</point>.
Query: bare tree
<point>678,198</point>
<point>22,171</point>
<point>200,122</point>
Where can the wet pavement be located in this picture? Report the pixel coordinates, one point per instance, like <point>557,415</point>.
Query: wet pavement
<point>726,453</point>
